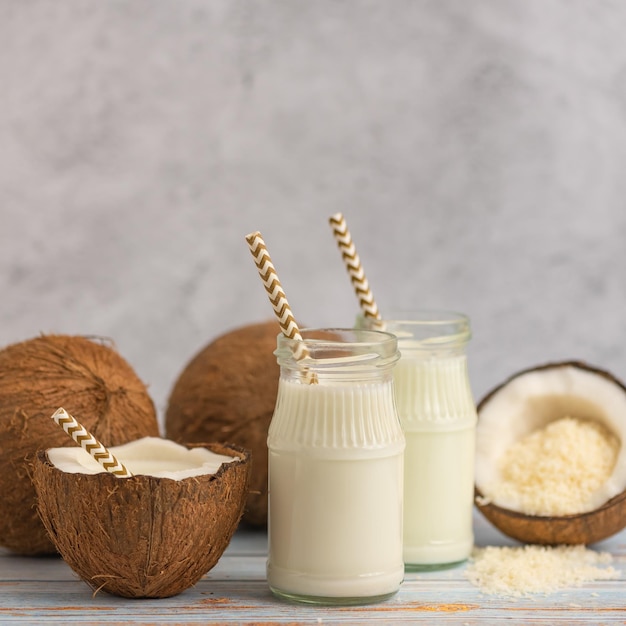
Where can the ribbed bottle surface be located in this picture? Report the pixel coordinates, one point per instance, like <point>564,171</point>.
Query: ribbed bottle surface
<point>433,393</point>
<point>335,420</point>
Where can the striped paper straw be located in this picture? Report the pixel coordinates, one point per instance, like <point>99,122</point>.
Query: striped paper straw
<point>353,265</point>
<point>89,443</point>
<point>277,297</point>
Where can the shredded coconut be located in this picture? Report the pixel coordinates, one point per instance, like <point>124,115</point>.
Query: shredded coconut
<point>531,569</point>
<point>555,470</point>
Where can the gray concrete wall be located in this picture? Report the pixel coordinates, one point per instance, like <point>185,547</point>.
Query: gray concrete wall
<point>477,150</point>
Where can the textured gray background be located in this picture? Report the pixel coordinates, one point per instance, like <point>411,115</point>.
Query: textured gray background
<point>477,150</point>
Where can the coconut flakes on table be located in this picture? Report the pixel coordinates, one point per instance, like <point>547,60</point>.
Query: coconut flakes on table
<point>533,569</point>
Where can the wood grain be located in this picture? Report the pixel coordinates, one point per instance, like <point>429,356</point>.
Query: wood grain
<point>45,590</point>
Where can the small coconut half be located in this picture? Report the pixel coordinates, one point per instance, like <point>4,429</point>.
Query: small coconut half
<point>528,402</point>
<point>152,535</point>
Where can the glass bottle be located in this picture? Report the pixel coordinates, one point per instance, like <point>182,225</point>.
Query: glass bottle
<point>335,470</point>
<point>438,416</point>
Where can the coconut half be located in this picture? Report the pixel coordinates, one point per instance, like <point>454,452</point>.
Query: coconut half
<point>38,376</point>
<point>526,403</point>
<point>152,535</point>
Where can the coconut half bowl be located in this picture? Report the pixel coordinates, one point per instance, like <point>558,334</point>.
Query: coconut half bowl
<point>143,536</point>
<point>582,528</point>
<point>531,399</point>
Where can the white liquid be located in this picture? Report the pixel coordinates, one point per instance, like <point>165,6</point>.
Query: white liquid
<point>438,496</point>
<point>335,491</point>
<point>439,419</point>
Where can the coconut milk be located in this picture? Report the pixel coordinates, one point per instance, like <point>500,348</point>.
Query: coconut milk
<point>439,421</point>
<point>335,492</point>
<point>438,416</point>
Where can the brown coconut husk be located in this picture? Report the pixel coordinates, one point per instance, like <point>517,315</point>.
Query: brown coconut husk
<point>89,379</point>
<point>142,537</point>
<point>227,392</point>
<point>579,528</point>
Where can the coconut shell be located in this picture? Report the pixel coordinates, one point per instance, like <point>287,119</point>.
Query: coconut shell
<point>582,528</point>
<point>94,383</point>
<point>227,393</point>
<point>142,537</point>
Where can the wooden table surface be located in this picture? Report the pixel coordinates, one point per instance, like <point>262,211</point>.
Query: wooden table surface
<point>45,590</point>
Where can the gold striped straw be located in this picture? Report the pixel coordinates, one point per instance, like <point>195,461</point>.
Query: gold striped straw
<point>355,269</point>
<point>277,297</point>
<point>89,443</point>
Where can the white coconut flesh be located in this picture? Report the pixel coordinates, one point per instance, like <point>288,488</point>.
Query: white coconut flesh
<point>149,456</point>
<point>531,401</point>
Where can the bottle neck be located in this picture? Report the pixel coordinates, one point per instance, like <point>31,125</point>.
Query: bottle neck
<point>429,330</point>
<point>308,372</point>
<point>337,356</point>
<point>431,378</point>
<point>349,411</point>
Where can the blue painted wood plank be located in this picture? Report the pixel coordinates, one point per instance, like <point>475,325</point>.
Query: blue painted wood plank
<point>245,598</point>
<point>45,590</point>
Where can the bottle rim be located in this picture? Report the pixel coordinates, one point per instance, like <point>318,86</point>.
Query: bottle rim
<point>425,327</point>
<point>339,347</point>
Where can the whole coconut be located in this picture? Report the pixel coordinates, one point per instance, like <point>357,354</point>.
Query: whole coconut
<point>38,376</point>
<point>226,393</point>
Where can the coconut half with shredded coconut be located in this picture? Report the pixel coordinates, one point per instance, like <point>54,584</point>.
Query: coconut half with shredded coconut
<point>550,460</point>
<point>153,534</point>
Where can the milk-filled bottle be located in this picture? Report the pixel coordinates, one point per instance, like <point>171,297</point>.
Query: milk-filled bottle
<point>438,416</point>
<point>336,470</point>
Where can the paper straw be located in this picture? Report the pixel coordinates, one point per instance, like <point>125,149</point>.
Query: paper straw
<point>267,272</point>
<point>89,443</point>
<point>353,264</point>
